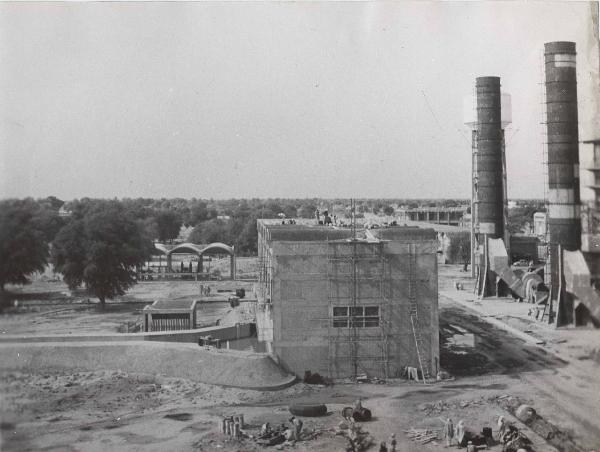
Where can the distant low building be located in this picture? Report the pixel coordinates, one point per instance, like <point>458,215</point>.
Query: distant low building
<point>63,212</point>
<point>440,215</point>
<point>539,224</point>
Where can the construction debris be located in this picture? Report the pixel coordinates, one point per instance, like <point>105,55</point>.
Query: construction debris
<point>513,440</point>
<point>422,436</point>
<point>358,439</point>
<point>232,425</point>
<point>316,379</point>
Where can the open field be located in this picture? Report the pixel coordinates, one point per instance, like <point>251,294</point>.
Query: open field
<point>49,409</point>
<point>50,308</point>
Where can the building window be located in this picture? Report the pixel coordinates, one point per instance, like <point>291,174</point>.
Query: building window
<point>355,316</point>
<point>340,317</point>
<point>371,316</point>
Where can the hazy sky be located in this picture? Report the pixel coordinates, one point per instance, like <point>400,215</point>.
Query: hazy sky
<point>271,99</point>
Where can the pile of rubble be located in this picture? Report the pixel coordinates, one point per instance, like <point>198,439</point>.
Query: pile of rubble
<point>422,436</point>
<point>358,438</point>
<point>436,408</point>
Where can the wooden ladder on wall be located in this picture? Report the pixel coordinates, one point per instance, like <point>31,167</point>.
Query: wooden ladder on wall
<point>414,314</point>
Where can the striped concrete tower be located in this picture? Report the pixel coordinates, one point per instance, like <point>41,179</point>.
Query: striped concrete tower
<point>490,189</point>
<point>564,222</point>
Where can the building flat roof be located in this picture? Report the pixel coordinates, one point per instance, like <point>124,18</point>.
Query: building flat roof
<point>309,231</point>
<point>436,227</point>
<point>172,305</point>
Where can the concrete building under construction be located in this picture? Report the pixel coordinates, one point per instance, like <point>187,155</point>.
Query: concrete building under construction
<point>344,303</point>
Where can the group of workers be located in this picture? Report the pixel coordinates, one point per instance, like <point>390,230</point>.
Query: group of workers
<point>327,219</point>
<point>291,433</point>
<point>383,447</point>
<point>460,436</point>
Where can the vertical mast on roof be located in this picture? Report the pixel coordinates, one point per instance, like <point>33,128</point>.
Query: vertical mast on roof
<point>353,217</point>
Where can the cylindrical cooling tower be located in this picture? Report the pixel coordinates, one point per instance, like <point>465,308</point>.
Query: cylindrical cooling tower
<point>564,223</point>
<point>489,182</point>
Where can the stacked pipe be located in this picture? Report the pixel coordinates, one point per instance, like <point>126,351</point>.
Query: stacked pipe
<point>564,223</point>
<point>232,425</point>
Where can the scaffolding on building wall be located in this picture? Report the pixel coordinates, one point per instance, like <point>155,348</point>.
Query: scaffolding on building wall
<point>346,269</point>
<point>344,287</point>
<point>265,278</point>
<point>264,265</point>
<point>343,273</point>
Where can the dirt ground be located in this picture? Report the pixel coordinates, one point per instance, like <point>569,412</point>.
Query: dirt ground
<point>110,410</point>
<point>115,411</point>
<point>49,307</point>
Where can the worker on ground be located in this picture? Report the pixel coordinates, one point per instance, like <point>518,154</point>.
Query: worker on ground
<point>383,447</point>
<point>352,436</point>
<point>501,427</point>
<point>297,425</point>
<point>265,430</point>
<point>448,432</point>
<point>459,432</point>
<point>393,443</point>
<point>413,373</point>
<point>358,405</point>
<point>290,435</point>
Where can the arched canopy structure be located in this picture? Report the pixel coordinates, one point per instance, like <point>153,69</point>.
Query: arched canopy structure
<point>199,250</point>
<point>191,248</point>
<point>218,246</point>
<point>161,248</point>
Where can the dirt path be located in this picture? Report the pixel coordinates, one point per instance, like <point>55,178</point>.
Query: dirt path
<point>566,392</point>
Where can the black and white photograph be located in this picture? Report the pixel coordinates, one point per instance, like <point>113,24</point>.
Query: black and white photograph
<point>332,226</point>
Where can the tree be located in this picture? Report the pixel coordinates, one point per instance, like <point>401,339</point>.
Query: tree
<point>101,250</point>
<point>198,213</point>
<point>290,211</point>
<point>519,217</point>
<point>307,211</point>
<point>388,210</point>
<point>23,241</point>
<point>48,221</point>
<point>53,202</point>
<point>460,248</point>
<point>168,224</point>
<point>209,232</point>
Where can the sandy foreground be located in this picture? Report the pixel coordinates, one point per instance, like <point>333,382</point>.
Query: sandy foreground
<point>111,410</point>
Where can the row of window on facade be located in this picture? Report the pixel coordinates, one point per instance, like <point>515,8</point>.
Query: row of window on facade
<point>355,316</point>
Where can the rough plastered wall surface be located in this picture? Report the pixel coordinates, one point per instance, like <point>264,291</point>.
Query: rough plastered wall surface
<point>301,295</point>
<point>588,98</point>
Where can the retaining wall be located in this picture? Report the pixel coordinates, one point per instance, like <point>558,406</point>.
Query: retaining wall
<point>225,333</point>
<point>219,367</point>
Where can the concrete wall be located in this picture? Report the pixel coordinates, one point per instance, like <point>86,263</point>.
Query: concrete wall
<point>220,367</point>
<point>225,333</point>
<point>303,283</point>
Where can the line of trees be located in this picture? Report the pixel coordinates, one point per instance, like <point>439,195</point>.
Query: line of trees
<point>99,243</point>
